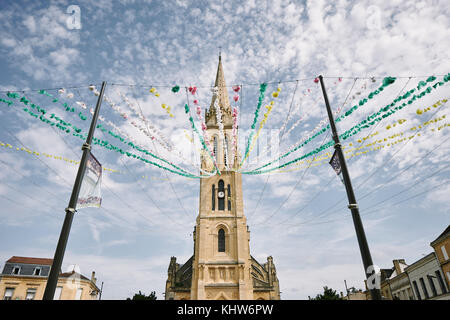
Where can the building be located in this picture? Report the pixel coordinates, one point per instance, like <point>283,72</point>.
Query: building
<point>385,289</point>
<point>354,294</point>
<point>25,278</point>
<point>426,279</point>
<point>399,284</point>
<point>221,266</point>
<point>441,246</point>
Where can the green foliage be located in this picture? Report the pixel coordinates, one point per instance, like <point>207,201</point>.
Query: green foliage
<point>142,296</point>
<point>328,294</point>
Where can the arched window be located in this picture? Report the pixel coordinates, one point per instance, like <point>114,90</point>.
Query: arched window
<point>221,240</point>
<point>215,147</point>
<point>213,192</point>
<point>221,195</point>
<point>225,153</point>
<point>229,197</point>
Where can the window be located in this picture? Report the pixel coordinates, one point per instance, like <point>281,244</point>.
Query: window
<point>16,270</point>
<point>441,282</point>
<point>229,197</point>
<point>37,271</point>
<point>215,147</point>
<point>226,151</point>
<point>410,294</point>
<point>424,288</point>
<point>57,295</point>
<point>31,293</point>
<point>221,194</point>
<point>416,288</point>
<point>433,288</point>
<point>221,240</point>
<point>444,252</point>
<point>78,294</point>
<point>8,293</point>
<point>213,192</point>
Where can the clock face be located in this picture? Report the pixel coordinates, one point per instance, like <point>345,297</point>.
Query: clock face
<point>221,194</point>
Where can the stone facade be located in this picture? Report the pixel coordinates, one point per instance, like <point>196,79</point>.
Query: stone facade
<point>399,282</point>
<point>25,278</point>
<point>424,275</point>
<point>221,267</point>
<point>441,246</point>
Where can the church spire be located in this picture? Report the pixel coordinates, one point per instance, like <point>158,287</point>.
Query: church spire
<point>222,96</point>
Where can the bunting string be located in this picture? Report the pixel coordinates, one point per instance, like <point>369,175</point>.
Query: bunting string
<point>150,128</point>
<point>374,146</point>
<point>386,82</point>
<point>235,117</point>
<point>264,120</point>
<point>324,120</point>
<point>67,160</point>
<point>206,138</point>
<point>65,127</point>
<point>262,90</point>
<point>194,128</point>
<point>369,121</point>
<point>399,122</point>
<point>219,120</point>
<point>357,128</point>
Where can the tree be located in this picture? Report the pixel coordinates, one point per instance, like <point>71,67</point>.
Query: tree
<point>328,294</point>
<point>142,296</point>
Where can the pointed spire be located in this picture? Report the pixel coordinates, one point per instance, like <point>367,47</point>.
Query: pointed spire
<point>222,95</point>
<point>222,86</point>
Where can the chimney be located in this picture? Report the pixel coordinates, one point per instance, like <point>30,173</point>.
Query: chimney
<point>397,267</point>
<point>93,278</point>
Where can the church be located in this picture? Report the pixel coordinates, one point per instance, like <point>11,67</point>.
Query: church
<point>221,267</point>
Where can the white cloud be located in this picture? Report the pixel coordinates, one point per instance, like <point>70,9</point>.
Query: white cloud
<point>165,44</point>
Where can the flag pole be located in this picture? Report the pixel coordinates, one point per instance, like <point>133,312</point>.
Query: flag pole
<point>353,205</point>
<point>52,280</point>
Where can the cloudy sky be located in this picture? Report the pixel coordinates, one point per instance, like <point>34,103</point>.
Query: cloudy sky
<point>297,214</point>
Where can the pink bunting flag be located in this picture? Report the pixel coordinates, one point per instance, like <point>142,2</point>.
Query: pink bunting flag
<point>192,90</point>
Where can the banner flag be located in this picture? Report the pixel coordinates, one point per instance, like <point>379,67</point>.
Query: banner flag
<point>90,191</point>
<point>336,165</point>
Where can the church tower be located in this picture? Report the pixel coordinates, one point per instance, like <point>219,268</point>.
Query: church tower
<point>221,267</point>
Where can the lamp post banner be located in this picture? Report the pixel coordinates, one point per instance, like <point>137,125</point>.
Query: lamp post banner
<point>90,191</point>
<point>336,165</point>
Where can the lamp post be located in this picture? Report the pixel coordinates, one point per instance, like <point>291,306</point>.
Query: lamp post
<point>52,280</point>
<point>353,205</point>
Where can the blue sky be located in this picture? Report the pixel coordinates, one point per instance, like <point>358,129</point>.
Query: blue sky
<point>294,216</point>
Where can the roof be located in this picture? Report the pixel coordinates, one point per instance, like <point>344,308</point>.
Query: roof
<point>421,261</point>
<point>72,273</point>
<point>29,260</point>
<point>77,275</point>
<point>386,273</point>
<point>403,266</point>
<point>442,235</point>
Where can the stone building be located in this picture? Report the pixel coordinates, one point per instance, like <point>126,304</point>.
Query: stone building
<point>425,276</point>
<point>25,278</point>
<point>221,266</point>
<point>399,282</point>
<point>441,246</point>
